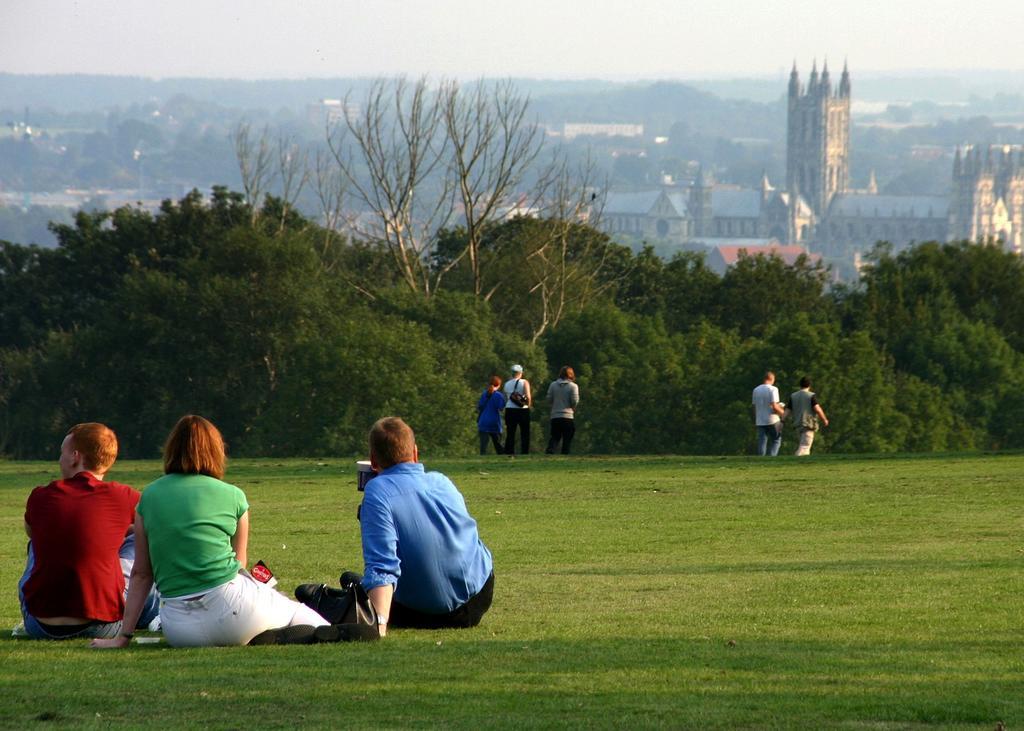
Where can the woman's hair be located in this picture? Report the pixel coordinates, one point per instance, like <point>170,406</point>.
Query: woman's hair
<point>495,384</point>
<point>567,372</point>
<point>194,447</point>
<point>97,444</point>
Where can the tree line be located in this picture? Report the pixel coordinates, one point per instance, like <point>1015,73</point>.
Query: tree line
<point>294,339</point>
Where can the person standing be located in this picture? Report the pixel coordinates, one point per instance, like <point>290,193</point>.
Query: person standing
<point>519,400</point>
<point>806,411</point>
<point>563,394</point>
<point>768,416</point>
<point>488,420</point>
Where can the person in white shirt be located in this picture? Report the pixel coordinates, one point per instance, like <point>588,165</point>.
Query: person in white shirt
<point>518,400</point>
<point>768,416</point>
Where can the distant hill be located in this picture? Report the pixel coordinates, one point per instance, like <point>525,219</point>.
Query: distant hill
<point>942,88</point>
<point>76,93</point>
<point>660,105</point>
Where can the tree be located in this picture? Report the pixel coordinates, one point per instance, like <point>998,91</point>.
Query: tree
<point>758,290</point>
<point>255,162</point>
<point>492,146</point>
<point>691,291</point>
<point>260,164</point>
<point>388,157</point>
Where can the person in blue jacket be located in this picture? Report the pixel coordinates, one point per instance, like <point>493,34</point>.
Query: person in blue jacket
<point>488,421</point>
<point>425,565</point>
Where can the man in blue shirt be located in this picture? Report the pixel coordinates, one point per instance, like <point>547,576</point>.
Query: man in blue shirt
<point>424,563</point>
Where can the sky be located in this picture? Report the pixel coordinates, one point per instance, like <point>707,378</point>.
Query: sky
<point>558,39</point>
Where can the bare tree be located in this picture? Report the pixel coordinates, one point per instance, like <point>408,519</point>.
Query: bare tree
<point>293,173</point>
<point>491,146</point>
<point>388,156</point>
<point>567,263</point>
<point>330,194</point>
<point>254,164</point>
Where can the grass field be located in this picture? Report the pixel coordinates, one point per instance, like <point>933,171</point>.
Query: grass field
<point>861,593</point>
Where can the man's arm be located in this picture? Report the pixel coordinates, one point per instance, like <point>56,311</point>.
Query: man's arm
<point>382,567</point>
<point>778,408</point>
<point>821,414</point>
<point>381,600</point>
<point>28,530</point>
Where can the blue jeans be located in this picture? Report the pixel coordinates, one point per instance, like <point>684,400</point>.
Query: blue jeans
<point>35,630</point>
<point>769,439</point>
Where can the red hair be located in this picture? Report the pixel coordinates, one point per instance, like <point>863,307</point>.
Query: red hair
<point>97,444</point>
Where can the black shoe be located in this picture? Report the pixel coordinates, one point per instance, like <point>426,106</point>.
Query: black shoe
<point>329,603</point>
<point>346,633</point>
<point>300,634</point>
<point>348,578</point>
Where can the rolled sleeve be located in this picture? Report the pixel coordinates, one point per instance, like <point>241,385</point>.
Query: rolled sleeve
<point>380,544</point>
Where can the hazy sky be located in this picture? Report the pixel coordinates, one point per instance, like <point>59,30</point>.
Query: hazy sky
<point>537,38</point>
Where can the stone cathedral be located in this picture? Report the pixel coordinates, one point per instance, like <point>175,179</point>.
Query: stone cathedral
<point>817,208</point>
<point>986,200</point>
<point>818,138</point>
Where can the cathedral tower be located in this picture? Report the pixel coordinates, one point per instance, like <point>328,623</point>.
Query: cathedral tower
<point>818,138</point>
<point>988,195</point>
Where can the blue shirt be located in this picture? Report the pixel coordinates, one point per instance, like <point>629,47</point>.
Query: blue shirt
<point>418,536</point>
<point>490,406</point>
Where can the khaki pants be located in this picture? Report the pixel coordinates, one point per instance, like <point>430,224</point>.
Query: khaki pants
<point>806,440</point>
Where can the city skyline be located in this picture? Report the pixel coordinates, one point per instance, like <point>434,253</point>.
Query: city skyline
<point>658,39</point>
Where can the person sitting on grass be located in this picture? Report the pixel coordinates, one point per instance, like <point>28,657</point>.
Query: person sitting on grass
<point>424,563</point>
<point>81,547</point>
<point>192,536</point>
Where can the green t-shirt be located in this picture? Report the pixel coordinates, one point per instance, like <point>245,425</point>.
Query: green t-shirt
<point>189,522</point>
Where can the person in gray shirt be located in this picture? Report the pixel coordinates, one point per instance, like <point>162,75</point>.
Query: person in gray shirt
<point>563,394</point>
<point>807,415</point>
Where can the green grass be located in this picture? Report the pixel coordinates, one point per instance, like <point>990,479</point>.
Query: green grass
<point>879,593</point>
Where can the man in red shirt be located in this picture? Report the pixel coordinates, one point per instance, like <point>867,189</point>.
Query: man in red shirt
<point>81,548</point>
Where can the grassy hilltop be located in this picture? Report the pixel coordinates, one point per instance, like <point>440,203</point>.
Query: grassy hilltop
<point>685,593</point>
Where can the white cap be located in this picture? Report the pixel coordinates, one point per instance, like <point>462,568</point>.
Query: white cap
<point>517,368</point>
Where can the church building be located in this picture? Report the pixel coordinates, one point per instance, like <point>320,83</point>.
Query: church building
<point>818,208</point>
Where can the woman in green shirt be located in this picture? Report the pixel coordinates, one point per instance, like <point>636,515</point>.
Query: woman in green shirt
<point>192,534</point>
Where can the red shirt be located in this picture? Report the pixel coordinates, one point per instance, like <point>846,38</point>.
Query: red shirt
<point>78,526</point>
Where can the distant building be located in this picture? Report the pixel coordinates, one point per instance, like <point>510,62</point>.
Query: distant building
<point>708,211</point>
<point>723,256</point>
<point>988,195</point>
<point>571,130</point>
<point>818,209</point>
<point>328,112</point>
<point>854,221</point>
<point>652,214</point>
<point>986,201</point>
<point>818,138</point>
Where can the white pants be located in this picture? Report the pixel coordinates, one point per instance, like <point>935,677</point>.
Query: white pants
<point>806,440</point>
<point>231,614</point>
